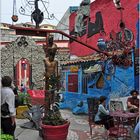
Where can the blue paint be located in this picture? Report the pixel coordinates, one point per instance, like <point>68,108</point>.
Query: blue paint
<point>120,83</point>
<point>137,27</point>
<point>137,46</point>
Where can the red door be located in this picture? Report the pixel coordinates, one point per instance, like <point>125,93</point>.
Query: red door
<point>73,83</point>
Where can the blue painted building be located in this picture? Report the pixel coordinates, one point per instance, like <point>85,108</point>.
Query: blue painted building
<point>110,80</point>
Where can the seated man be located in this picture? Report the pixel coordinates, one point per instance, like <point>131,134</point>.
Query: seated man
<point>133,102</point>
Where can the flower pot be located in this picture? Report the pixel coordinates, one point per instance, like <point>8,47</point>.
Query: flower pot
<point>59,132</point>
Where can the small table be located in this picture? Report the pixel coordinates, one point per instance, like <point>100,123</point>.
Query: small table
<point>121,117</point>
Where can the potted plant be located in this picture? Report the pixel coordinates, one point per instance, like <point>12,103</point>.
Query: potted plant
<point>54,127</point>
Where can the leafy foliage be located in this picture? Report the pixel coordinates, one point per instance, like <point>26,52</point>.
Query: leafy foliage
<point>23,98</point>
<point>6,137</point>
<point>53,115</point>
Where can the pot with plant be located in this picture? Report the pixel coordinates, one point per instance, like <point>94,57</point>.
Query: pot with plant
<point>54,127</point>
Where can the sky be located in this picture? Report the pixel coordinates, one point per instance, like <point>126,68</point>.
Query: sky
<point>56,7</point>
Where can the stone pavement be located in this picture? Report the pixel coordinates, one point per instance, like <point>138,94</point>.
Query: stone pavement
<point>79,129</point>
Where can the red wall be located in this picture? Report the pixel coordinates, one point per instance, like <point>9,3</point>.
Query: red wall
<point>111,18</point>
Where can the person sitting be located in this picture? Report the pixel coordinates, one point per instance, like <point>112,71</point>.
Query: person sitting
<point>102,116</point>
<point>133,102</point>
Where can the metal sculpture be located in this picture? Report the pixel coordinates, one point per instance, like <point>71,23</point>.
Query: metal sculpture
<point>32,8</point>
<point>37,15</point>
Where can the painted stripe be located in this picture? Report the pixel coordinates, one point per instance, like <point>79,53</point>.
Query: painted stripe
<point>20,73</point>
<point>25,76</point>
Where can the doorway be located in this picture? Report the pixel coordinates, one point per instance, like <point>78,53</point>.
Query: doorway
<point>23,73</point>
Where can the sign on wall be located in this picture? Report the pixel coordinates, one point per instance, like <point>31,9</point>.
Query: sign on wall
<point>74,68</point>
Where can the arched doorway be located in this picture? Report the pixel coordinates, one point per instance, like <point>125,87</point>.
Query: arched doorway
<point>23,73</point>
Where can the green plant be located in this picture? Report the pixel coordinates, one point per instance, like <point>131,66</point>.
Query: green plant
<point>52,98</point>
<point>6,137</point>
<point>23,98</point>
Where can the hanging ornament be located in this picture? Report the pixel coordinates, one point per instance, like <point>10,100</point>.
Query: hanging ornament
<point>101,43</point>
<point>14,16</point>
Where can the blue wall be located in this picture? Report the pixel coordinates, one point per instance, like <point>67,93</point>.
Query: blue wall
<point>121,82</point>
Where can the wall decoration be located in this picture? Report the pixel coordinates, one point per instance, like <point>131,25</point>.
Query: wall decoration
<point>82,15</point>
<point>100,81</point>
<point>13,52</point>
<point>97,27</point>
<point>74,68</point>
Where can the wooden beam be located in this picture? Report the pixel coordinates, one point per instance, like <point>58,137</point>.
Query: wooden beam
<point>43,33</point>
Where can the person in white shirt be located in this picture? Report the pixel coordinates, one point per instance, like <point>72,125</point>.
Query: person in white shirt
<point>102,116</point>
<point>8,124</point>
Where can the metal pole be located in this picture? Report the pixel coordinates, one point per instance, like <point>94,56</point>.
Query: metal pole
<point>31,70</point>
<point>14,78</point>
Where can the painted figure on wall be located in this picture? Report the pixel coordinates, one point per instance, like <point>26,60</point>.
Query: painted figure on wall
<point>97,26</point>
<point>82,13</point>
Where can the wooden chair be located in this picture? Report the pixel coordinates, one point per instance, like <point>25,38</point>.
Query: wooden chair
<point>92,110</point>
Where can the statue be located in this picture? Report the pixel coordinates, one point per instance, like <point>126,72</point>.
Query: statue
<point>51,46</point>
<point>51,65</point>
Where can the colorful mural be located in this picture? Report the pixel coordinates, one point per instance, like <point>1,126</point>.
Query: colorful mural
<point>108,29</point>
<point>103,16</point>
<point>111,81</point>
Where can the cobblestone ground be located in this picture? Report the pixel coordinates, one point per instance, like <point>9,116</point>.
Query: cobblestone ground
<point>79,129</point>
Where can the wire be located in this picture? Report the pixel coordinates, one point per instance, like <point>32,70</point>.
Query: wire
<point>46,9</point>
<point>52,16</point>
<point>61,22</point>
